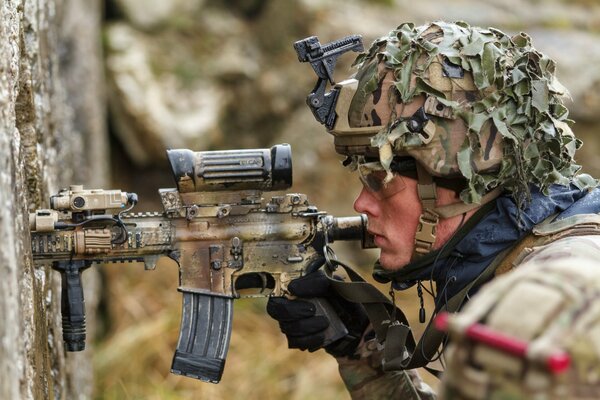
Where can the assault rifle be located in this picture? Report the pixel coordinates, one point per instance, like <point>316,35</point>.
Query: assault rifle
<point>215,225</point>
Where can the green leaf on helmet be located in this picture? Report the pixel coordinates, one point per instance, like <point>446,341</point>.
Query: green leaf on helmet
<point>531,151</point>
<point>488,62</point>
<point>403,73</point>
<point>474,121</point>
<point>557,88</point>
<point>517,75</point>
<point>448,103</point>
<point>371,83</point>
<point>475,46</point>
<point>380,138</point>
<point>559,111</point>
<point>491,101</point>
<point>427,47</point>
<point>478,74</point>
<point>394,54</point>
<point>397,132</point>
<point>571,145</point>
<point>424,87</point>
<point>583,181</point>
<point>504,130</point>
<point>547,127</point>
<point>539,94</point>
<point>464,161</point>
<point>525,107</point>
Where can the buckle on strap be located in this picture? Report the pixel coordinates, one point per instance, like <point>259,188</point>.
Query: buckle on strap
<point>425,235</point>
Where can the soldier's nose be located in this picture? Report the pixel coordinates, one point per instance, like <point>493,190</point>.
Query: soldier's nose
<point>366,203</point>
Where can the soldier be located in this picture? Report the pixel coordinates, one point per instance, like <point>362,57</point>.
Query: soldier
<point>464,148</point>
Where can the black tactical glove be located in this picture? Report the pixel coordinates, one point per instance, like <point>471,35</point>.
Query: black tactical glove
<point>307,324</point>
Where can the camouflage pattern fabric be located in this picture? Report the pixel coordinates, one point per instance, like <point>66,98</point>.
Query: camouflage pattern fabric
<point>552,301</point>
<point>495,108</point>
<point>365,379</point>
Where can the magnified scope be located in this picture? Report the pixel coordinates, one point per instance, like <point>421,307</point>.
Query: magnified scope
<point>228,170</point>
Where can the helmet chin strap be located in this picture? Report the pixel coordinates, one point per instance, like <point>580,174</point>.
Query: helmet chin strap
<point>431,215</point>
<point>426,230</point>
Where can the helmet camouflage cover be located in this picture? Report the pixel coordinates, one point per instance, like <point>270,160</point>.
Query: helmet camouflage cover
<point>468,103</point>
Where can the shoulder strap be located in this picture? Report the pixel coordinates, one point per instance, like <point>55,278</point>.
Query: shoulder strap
<point>388,321</point>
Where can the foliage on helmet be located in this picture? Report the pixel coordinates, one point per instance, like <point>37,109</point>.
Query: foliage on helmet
<point>518,95</point>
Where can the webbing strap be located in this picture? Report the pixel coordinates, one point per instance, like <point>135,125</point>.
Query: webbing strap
<point>547,232</point>
<point>452,210</point>
<point>378,307</point>
<point>395,347</point>
<point>425,234</point>
<point>425,188</point>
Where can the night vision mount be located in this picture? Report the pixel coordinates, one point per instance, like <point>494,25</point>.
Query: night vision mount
<point>322,58</point>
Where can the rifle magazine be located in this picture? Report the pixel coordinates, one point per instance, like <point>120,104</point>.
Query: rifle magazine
<point>203,337</point>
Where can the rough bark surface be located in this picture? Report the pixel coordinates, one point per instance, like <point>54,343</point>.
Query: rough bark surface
<point>52,134</point>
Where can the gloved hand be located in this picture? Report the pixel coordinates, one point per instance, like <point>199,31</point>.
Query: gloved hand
<point>305,325</point>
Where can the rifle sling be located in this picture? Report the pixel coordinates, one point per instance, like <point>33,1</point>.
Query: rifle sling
<point>378,307</point>
<point>390,323</point>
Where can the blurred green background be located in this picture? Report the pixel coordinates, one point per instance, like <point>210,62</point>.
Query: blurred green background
<point>208,74</point>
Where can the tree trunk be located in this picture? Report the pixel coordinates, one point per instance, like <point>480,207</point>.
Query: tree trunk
<point>52,134</point>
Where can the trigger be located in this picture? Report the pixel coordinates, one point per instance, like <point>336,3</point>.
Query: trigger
<point>263,281</point>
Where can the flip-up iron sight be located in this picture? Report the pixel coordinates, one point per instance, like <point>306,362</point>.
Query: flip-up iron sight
<point>323,58</point>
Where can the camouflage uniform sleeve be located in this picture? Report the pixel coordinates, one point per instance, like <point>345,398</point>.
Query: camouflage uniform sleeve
<point>364,377</point>
<point>551,302</point>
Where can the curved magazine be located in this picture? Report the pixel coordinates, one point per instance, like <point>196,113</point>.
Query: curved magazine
<point>203,337</point>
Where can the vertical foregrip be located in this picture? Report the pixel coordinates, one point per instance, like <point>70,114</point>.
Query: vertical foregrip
<point>203,337</point>
<point>72,304</point>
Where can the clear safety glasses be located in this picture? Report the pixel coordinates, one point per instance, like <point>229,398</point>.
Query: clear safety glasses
<point>372,175</point>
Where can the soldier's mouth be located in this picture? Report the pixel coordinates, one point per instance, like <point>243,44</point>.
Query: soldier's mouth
<point>378,239</point>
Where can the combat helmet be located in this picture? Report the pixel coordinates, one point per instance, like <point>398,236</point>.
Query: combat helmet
<point>471,108</point>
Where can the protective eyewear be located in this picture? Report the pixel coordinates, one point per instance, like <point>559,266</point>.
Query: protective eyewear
<point>373,178</point>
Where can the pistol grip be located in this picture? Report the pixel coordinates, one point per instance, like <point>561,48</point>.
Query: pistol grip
<point>203,337</point>
<point>72,303</point>
<point>336,329</point>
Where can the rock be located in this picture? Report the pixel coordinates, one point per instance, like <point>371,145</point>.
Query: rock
<point>153,112</point>
<point>51,111</point>
<point>203,82</point>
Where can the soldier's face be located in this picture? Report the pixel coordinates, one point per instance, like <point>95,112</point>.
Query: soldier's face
<point>394,212</point>
<point>393,219</point>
